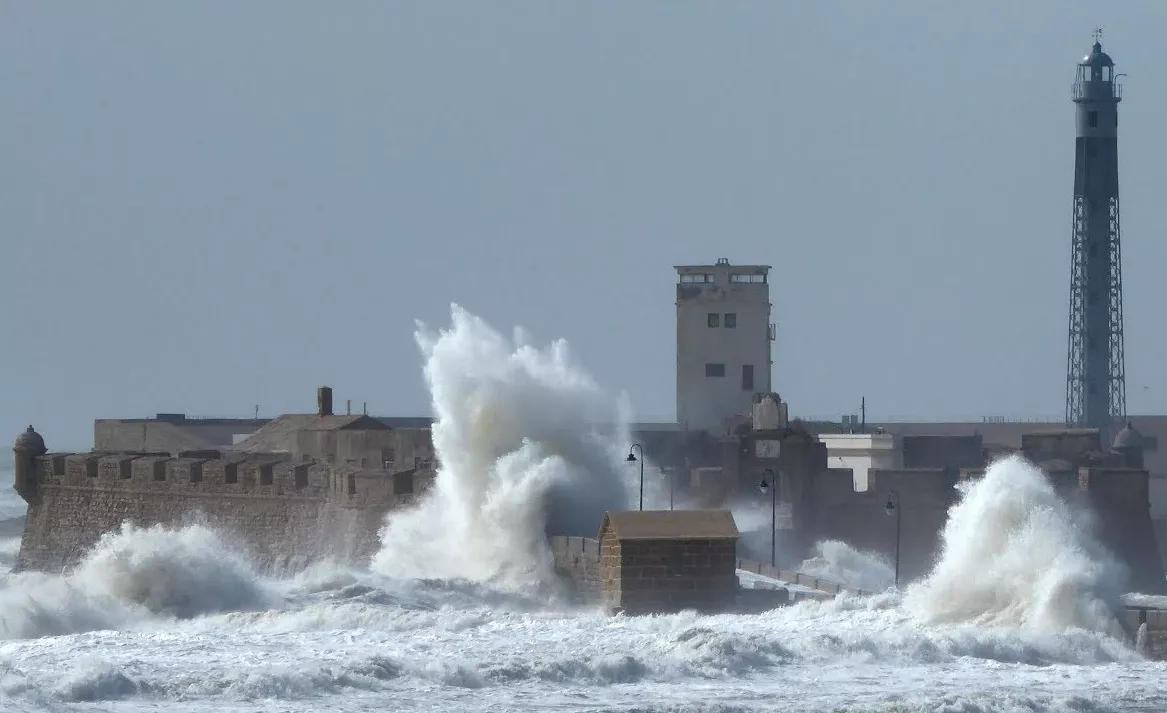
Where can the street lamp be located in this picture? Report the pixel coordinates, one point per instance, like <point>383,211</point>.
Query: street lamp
<point>632,459</point>
<point>772,486</point>
<point>893,508</point>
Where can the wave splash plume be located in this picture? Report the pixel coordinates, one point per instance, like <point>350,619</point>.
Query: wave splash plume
<point>130,576</point>
<point>1015,554</point>
<point>527,445</point>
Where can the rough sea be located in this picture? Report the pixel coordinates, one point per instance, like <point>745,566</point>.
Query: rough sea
<point>458,612</point>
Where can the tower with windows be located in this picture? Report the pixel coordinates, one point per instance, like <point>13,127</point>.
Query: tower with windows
<point>724,335</point>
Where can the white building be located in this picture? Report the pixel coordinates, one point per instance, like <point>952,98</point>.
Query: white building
<point>724,334</point>
<point>862,452</point>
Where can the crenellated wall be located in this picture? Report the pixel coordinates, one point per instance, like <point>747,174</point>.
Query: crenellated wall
<point>281,513</point>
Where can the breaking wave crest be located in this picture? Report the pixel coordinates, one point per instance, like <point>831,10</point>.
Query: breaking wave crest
<point>1015,554</point>
<point>129,577</point>
<point>520,454</point>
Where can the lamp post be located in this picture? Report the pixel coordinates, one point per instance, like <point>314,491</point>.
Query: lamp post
<point>772,486</point>
<point>893,508</point>
<point>632,459</point>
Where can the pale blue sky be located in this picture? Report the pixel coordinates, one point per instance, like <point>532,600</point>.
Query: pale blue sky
<point>210,205</point>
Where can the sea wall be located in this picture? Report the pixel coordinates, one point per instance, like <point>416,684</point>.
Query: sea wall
<point>826,586</point>
<point>577,560</point>
<point>1147,629</point>
<point>281,514</point>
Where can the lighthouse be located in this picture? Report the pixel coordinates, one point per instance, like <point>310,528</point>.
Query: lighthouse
<point>1095,374</point>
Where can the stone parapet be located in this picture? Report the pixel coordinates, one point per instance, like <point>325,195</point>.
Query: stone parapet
<point>825,586</point>
<point>577,560</point>
<point>207,473</point>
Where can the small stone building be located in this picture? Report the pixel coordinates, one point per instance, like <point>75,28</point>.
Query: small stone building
<point>661,561</point>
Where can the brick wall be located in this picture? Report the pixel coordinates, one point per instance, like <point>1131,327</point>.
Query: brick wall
<point>640,576</point>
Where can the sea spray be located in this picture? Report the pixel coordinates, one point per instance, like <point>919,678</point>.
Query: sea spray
<point>9,549</point>
<point>129,576</point>
<point>527,444</point>
<point>1015,554</point>
<point>180,572</point>
<point>842,564</point>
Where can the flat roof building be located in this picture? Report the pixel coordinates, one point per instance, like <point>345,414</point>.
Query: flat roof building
<point>724,335</point>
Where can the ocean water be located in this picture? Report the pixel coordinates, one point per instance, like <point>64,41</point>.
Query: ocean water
<point>458,611</point>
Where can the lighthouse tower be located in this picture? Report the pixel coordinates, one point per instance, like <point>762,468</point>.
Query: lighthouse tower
<point>1095,375</point>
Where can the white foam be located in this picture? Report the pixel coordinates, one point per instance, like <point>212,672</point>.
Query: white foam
<point>132,576</point>
<point>1014,554</point>
<point>845,565</point>
<point>9,549</point>
<point>520,455</point>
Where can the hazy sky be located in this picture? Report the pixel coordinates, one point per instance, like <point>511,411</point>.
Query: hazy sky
<point>211,205</point>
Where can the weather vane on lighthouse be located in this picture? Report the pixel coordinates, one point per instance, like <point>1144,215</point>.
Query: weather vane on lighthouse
<point>1097,34</point>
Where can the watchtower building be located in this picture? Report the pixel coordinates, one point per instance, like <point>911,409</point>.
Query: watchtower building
<point>724,334</point>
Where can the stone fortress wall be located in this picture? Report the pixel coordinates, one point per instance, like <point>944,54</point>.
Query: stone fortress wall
<point>281,510</point>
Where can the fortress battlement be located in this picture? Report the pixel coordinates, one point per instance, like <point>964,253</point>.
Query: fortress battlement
<point>283,510</point>
<point>209,473</point>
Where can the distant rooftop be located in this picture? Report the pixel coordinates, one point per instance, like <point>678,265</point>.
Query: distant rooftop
<point>390,421</point>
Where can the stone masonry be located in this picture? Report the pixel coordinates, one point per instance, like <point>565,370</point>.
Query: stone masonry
<point>668,560</point>
<point>280,514</point>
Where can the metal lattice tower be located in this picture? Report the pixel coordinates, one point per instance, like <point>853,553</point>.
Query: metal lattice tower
<point>1095,373</point>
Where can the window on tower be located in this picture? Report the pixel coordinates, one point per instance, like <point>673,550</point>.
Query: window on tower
<point>713,319</point>
<point>715,371</point>
<point>730,320</point>
<point>747,377</point>
<point>1092,119</point>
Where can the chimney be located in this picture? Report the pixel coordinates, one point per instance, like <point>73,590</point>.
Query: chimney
<point>324,401</point>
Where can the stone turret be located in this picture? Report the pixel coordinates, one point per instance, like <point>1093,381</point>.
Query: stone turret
<point>29,446</point>
<point>1130,445</point>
